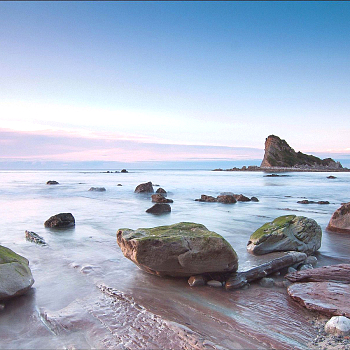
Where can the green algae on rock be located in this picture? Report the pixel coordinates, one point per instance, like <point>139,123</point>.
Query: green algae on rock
<point>285,233</point>
<point>15,275</point>
<point>180,250</point>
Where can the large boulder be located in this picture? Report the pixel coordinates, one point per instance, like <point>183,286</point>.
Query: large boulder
<point>285,233</point>
<point>340,220</point>
<point>179,250</point>
<point>62,220</point>
<point>144,188</point>
<point>15,275</point>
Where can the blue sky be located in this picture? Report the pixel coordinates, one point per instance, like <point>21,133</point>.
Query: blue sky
<point>172,81</point>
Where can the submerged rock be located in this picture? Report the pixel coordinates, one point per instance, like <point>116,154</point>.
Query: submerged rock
<point>286,233</point>
<point>124,171</point>
<point>179,250</point>
<point>144,188</point>
<point>62,220</point>
<point>15,275</point>
<point>340,220</point>
<point>97,189</point>
<point>52,182</point>
<point>159,208</point>
<point>34,237</point>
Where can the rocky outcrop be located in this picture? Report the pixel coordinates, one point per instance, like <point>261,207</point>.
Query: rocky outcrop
<point>62,220</point>
<point>286,233</point>
<point>226,198</point>
<point>159,208</point>
<point>340,220</point>
<point>34,237</point>
<point>179,250</point>
<point>279,154</point>
<point>15,275</point>
<point>144,188</point>
<point>328,298</point>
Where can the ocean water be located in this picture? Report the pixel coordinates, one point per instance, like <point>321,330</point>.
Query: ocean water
<point>79,259</point>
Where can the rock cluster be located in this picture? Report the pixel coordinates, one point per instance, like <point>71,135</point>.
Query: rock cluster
<point>178,250</point>
<point>227,198</point>
<point>285,233</point>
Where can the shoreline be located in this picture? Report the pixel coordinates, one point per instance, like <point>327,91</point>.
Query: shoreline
<point>284,170</point>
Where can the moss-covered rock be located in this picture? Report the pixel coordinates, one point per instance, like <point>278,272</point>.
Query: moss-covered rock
<point>286,233</point>
<point>179,250</point>
<point>15,275</point>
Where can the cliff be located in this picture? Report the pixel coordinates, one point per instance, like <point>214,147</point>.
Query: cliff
<point>279,154</point>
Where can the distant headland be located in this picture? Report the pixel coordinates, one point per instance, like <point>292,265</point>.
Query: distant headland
<point>279,157</point>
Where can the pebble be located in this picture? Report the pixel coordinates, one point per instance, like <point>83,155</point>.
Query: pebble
<point>196,281</point>
<point>214,283</point>
<point>338,325</point>
<point>267,282</point>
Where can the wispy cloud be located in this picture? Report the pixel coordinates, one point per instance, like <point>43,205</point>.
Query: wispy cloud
<point>92,146</point>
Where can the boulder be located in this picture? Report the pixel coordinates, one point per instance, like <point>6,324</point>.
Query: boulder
<point>241,198</point>
<point>205,198</point>
<point>180,250</point>
<point>144,188</point>
<point>34,237</point>
<point>97,189</point>
<point>15,275</point>
<point>286,233</point>
<point>159,198</point>
<point>340,220</point>
<point>52,182</point>
<point>62,220</point>
<point>254,199</point>
<point>159,208</point>
<point>338,325</point>
<point>124,171</point>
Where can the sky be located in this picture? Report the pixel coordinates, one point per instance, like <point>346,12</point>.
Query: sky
<point>180,83</point>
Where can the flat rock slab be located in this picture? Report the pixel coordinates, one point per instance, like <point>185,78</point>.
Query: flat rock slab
<point>328,298</point>
<point>333,273</point>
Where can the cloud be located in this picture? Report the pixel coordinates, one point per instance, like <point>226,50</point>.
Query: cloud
<point>91,146</point>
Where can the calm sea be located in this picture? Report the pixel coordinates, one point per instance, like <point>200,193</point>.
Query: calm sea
<point>91,248</point>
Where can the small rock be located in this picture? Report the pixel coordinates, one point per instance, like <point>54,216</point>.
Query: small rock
<point>124,171</point>
<point>214,283</point>
<point>267,282</point>
<point>322,202</point>
<point>305,267</point>
<point>119,185</point>
<point>205,198</point>
<point>161,190</point>
<point>331,177</point>
<point>35,238</point>
<point>52,182</point>
<point>97,189</point>
<point>159,208</point>
<point>241,198</point>
<point>311,260</point>
<point>226,199</point>
<point>159,198</point>
<point>254,199</point>
<point>196,281</point>
<point>338,325</point>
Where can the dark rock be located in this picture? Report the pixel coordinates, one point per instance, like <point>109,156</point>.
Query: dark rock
<point>144,188</point>
<point>340,220</point>
<point>254,199</point>
<point>328,298</point>
<point>226,199</point>
<point>241,198</point>
<point>272,175</point>
<point>331,177</point>
<point>52,182</point>
<point>97,189</point>
<point>279,154</point>
<point>124,171</point>
<point>162,191</point>
<point>305,201</point>
<point>15,275</point>
<point>34,237</point>
<point>62,220</point>
<point>119,185</point>
<point>205,198</point>
<point>214,283</point>
<point>182,249</point>
<point>159,208</point>
<point>159,198</point>
<point>197,281</point>
<point>286,233</point>
<point>322,202</point>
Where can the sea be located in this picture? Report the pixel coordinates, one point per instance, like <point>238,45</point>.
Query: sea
<point>76,262</point>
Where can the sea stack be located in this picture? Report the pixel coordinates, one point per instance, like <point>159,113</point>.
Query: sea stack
<point>279,154</point>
